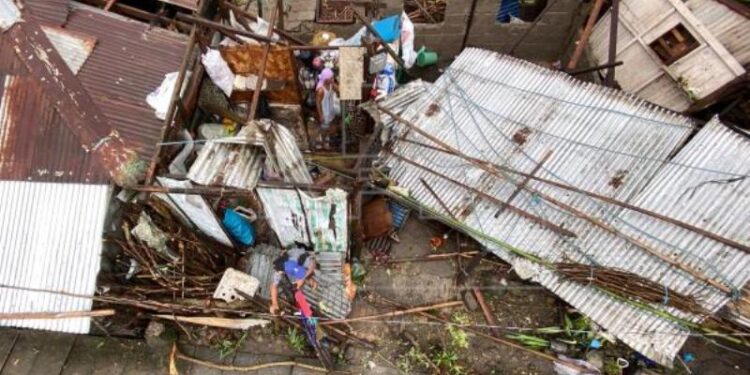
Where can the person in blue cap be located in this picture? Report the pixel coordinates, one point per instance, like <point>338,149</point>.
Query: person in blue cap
<point>298,265</point>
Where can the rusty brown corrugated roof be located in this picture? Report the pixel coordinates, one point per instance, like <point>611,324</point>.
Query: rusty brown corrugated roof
<point>129,61</point>
<point>50,12</point>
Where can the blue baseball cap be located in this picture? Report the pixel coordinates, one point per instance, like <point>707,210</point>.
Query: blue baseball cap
<point>293,270</point>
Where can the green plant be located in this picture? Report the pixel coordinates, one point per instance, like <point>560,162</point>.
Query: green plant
<point>227,347</point>
<point>448,361</point>
<point>459,337</point>
<point>530,341</point>
<point>611,368</point>
<point>295,340</point>
<point>411,360</point>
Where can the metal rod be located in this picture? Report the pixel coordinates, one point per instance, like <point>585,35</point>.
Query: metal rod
<point>581,215</point>
<point>262,69</point>
<point>523,183</point>
<point>594,68</point>
<point>437,197</point>
<point>395,313</point>
<point>578,53</point>
<point>614,20</point>
<point>169,119</point>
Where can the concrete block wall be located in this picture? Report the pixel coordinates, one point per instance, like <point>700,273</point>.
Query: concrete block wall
<point>546,42</point>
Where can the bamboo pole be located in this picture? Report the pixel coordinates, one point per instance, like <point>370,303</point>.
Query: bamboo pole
<point>585,35</point>
<point>395,313</point>
<point>263,64</point>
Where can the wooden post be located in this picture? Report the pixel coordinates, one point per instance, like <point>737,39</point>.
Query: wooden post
<point>263,64</point>
<point>614,16</point>
<point>585,35</point>
<point>168,120</point>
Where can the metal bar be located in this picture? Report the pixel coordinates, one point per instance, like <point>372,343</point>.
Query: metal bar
<point>581,215</point>
<point>578,53</point>
<point>262,69</point>
<point>595,68</point>
<point>614,20</point>
<point>523,183</point>
<point>549,225</point>
<point>380,38</point>
<point>437,197</point>
<point>169,119</point>
<point>395,313</point>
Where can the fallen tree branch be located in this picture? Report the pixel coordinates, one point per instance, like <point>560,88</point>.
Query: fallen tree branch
<point>178,355</point>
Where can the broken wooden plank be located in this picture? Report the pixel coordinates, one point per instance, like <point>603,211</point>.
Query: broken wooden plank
<point>228,323</point>
<point>56,315</point>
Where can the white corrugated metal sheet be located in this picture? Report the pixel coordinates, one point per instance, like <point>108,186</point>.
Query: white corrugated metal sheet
<point>511,112</point>
<point>74,48</point>
<point>9,14</point>
<point>50,238</point>
<point>239,161</point>
<point>729,27</point>
<point>676,86</point>
<point>296,216</point>
<point>195,208</point>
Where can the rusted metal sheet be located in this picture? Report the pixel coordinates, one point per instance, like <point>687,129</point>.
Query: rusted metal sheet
<point>281,66</point>
<point>46,151</point>
<point>50,12</point>
<point>129,61</point>
<point>74,104</point>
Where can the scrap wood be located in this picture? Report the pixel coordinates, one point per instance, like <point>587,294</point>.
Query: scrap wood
<point>175,353</point>
<point>395,313</point>
<point>242,324</point>
<point>56,315</point>
<point>466,254</point>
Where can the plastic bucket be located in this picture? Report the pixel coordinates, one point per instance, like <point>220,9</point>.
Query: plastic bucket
<point>426,58</point>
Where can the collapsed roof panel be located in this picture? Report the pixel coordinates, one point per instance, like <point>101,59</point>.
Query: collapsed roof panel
<point>50,236</point>
<point>519,116</point>
<point>51,12</point>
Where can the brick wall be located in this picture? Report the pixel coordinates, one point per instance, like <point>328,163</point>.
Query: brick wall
<point>546,42</point>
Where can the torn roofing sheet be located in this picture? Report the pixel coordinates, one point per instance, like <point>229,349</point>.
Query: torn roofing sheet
<point>238,161</point>
<point>296,216</point>
<point>512,113</point>
<point>73,47</point>
<point>195,208</point>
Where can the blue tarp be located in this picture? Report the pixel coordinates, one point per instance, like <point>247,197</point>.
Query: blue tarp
<point>389,28</point>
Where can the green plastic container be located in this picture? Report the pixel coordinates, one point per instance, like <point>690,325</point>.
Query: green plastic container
<point>426,58</point>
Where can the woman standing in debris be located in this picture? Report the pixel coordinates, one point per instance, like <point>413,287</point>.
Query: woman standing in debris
<point>326,103</point>
<point>298,265</point>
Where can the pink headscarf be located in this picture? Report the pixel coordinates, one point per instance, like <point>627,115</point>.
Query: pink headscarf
<point>325,75</point>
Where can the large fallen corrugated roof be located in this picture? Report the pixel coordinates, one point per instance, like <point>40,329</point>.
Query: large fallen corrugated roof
<point>513,113</point>
<point>50,238</point>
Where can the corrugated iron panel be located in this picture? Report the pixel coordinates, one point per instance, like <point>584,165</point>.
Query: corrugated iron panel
<point>329,298</point>
<point>731,28</point>
<point>50,238</point>
<point>296,216</point>
<point>74,48</point>
<point>51,12</point>
<point>227,164</point>
<point>35,145</point>
<point>281,66</point>
<point>196,209</point>
<point>129,62</point>
<point>511,112</point>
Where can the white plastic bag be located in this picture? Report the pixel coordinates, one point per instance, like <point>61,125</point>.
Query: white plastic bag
<point>408,54</point>
<point>218,70</point>
<point>159,98</point>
